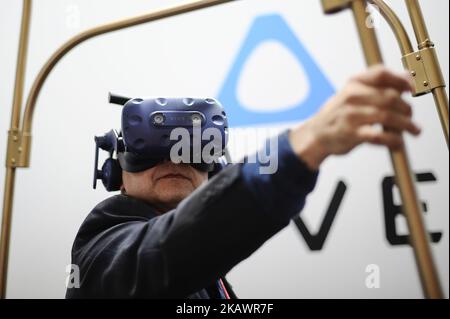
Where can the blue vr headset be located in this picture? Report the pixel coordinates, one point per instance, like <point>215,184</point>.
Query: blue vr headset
<point>145,137</point>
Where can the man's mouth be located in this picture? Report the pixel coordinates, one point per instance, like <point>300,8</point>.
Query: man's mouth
<point>177,176</point>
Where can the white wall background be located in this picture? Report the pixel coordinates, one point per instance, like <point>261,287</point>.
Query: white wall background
<point>191,55</point>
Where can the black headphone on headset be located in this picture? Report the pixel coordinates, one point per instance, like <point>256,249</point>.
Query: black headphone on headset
<point>146,136</point>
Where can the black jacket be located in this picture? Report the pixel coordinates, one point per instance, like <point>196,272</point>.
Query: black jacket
<point>125,250</point>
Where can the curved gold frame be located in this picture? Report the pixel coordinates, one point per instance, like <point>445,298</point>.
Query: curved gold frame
<point>19,139</point>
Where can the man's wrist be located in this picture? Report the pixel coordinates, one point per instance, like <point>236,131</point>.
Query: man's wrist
<point>308,146</point>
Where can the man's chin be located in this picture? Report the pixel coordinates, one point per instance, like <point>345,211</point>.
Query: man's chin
<point>173,183</point>
<point>174,189</point>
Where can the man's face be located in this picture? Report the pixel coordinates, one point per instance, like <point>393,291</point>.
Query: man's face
<point>164,185</point>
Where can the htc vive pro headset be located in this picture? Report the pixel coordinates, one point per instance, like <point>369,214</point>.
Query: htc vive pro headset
<point>145,138</point>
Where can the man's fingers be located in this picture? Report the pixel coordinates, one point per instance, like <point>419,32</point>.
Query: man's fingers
<point>386,99</point>
<point>390,99</point>
<point>368,115</point>
<point>397,122</point>
<point>379,76</point>
<point>375,136</point>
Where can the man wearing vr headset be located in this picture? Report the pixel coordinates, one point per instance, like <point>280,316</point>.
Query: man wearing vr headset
<point>171,233</point>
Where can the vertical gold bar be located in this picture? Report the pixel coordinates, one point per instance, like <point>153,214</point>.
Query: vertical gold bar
<point>6,228</point>
<point>404,178</point>
<point>367,35</point>
<point>10,171</point>
<point>441,101</point>
<point>424,41</point>
<point>418,22</point>
<point>21,64</point>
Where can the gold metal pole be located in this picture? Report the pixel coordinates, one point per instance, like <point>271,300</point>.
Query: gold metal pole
<point>426,73</point>
<point>418,22</point>
<point>6,228</point>
<point>404,178</point>
<point>424,43</point>
<point>10,170</point>
<point>441,101</point>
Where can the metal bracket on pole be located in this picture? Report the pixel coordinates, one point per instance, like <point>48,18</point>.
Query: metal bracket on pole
<point>424,67</point>
<point>18,149</point>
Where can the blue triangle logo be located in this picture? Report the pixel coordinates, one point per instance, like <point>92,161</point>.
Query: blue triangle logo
<point>274,28</point>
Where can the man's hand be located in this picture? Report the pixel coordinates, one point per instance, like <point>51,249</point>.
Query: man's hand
<point>347,119</point>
